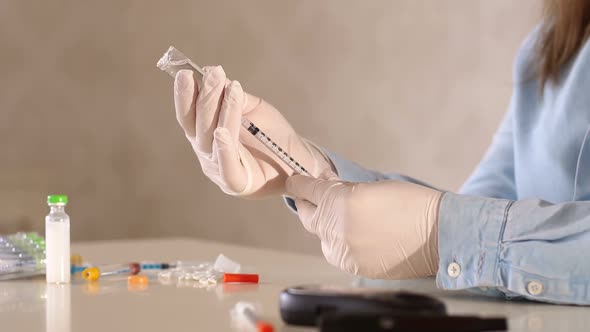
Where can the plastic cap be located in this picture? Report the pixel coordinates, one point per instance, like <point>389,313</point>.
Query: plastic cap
<point>243,278</point>
<point>264,327</point>
<point>225,264</point>
<point>57,199</point>
<point>91,274</point>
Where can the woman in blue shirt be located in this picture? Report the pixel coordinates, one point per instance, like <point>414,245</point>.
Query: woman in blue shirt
<point>520,225</point>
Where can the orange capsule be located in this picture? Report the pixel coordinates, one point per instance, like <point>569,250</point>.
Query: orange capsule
<point>236,277</point>
<point>137,280</point>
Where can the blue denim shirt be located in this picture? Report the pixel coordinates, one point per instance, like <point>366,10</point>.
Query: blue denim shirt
<point>520,226</point>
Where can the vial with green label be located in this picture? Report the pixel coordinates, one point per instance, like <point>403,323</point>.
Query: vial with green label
<point>57,240</point>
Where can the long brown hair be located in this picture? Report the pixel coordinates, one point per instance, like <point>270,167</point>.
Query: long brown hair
<point>566,27</point>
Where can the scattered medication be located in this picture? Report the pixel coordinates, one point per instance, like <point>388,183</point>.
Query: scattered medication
<point>223,270</point>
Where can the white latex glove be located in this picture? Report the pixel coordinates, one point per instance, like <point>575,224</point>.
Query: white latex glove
<point>210,114</point>
<point>380,230</point>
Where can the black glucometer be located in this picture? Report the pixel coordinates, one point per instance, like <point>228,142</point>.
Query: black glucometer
<point>304,305</point>
<point>358,309</point>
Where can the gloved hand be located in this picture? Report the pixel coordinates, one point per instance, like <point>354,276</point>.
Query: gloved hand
<point>380,230</point>
<point>210,113</point>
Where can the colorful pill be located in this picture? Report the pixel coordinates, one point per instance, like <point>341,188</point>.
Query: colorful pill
<point>137,280</point>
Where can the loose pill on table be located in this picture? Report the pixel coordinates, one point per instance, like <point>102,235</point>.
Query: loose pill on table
<point>137,280</point>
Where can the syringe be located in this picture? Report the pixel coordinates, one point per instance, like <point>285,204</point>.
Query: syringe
<point>173,61</point>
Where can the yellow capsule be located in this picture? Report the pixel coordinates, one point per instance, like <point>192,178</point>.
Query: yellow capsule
<point>91,274</point>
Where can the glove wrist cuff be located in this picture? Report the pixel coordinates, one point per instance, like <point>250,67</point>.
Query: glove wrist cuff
<point>321,161</point>
<point>432,241</point>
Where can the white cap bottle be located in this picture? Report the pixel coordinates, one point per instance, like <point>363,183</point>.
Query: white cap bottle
<point>57,241</point>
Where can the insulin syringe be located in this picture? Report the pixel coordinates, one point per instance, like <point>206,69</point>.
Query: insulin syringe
<point>173,61</point>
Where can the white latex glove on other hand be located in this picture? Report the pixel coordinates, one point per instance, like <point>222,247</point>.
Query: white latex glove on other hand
<point>380,230</point>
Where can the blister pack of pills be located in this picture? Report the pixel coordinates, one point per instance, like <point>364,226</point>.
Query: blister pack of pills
<point>21,255</point>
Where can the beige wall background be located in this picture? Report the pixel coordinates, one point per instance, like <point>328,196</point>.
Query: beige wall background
<point>410,86</point>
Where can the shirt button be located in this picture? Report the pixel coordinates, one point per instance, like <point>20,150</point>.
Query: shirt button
<point>534,288</point>
<point>454,270</point>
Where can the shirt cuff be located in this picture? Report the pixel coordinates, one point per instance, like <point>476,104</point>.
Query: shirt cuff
<point>470,230</point>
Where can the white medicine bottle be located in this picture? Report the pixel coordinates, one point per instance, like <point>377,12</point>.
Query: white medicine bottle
<point>57,240</point>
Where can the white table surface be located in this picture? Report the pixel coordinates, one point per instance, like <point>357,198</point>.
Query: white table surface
<point>113,307</point>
